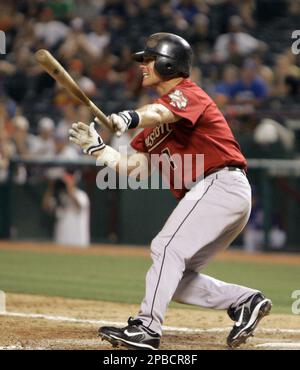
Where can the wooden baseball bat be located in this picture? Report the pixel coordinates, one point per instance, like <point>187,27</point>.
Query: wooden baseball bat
<point>57,71</point>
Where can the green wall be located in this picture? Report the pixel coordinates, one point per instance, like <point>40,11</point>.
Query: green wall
<point>135,216</point>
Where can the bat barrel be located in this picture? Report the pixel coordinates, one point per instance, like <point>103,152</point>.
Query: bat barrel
<point>56,70</point>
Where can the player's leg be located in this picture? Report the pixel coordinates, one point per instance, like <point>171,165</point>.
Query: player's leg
<point>169,263</point>
<point>222,209</point>
<point>208,292</point>
<point>193,225</point>
<point>244,305</point>
<point>205,291</point>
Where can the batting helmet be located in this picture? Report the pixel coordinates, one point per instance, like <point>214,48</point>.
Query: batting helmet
<point>173,55</point>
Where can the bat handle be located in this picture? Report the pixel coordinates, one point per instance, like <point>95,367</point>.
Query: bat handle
<point>101,116</point>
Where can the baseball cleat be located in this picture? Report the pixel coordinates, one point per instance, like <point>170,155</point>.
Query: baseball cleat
<point>246,316</point>
<point>134,336</point>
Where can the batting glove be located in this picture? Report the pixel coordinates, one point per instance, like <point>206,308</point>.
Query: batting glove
<point>86,137</point>
<point>124,120</point>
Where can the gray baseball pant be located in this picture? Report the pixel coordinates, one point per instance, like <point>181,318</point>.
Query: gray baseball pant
<point>197,229</point>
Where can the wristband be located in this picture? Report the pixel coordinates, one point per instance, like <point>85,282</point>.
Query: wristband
<point>92,149</point>
<point>130,117</point>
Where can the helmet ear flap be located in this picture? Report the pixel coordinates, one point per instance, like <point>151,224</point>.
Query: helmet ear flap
<point>164,66</point>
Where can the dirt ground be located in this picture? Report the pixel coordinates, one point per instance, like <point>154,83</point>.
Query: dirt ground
<point>37,322</point>
<point>208,329</point>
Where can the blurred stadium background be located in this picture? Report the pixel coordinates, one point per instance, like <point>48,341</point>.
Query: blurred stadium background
<point>243,59</point>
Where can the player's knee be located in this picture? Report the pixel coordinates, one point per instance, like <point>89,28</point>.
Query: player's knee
<point>160,248</point>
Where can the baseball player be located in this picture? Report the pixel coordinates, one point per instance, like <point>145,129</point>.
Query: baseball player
<point>183,120</point>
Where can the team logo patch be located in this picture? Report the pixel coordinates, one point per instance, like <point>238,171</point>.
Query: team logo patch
<point>178,99</point>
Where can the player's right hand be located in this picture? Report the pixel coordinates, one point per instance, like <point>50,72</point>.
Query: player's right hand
<point>86,137</point>
<point>118,124</point>
<point>124,120</point>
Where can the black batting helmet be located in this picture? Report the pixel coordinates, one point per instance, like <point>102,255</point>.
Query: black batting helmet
<point>173,55</point>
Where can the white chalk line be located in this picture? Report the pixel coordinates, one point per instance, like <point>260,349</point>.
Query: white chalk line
<point>117,323</point>
<point>105,322</point>
<point>18,347</point>
<point>281,345</point>
<point>53,343</point>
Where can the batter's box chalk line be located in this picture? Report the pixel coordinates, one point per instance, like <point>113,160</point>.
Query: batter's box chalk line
<point>114,323</point>
<point>280,345</point>
<point>2,302</point>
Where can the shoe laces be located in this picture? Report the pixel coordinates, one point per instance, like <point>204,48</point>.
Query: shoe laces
<point>139,322</point>
<point>134,322</point>
<point>247,306</point>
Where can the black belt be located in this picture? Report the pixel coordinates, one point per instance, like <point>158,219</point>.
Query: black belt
<point>228,168</point>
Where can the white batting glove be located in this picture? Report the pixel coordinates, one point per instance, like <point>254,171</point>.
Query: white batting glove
<point>86,137</point>
<point>124,120</point>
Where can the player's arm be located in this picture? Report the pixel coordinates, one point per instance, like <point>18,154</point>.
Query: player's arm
<point>91,143</point>
<point>154,114</point>
<point>149,115</point>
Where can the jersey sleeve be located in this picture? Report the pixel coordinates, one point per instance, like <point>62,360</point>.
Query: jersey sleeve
<point>186,103</point>
<point>138,143</point>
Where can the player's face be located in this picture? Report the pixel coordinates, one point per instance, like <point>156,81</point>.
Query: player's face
<point>150,76</point>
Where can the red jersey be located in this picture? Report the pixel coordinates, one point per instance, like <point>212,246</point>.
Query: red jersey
<point>202,129</point>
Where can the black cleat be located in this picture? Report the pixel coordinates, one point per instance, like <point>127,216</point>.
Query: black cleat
<point>246,316</point>
<point>135,336</point>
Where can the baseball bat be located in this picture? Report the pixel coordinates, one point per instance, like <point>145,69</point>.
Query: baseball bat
<point>57,71</point>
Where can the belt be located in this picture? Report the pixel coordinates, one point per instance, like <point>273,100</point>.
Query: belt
<point>227,168</point>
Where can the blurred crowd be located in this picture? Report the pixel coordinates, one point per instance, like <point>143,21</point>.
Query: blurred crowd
<point>243,59</point>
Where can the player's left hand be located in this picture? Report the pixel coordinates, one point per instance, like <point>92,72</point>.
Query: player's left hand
<point>86,137</point>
